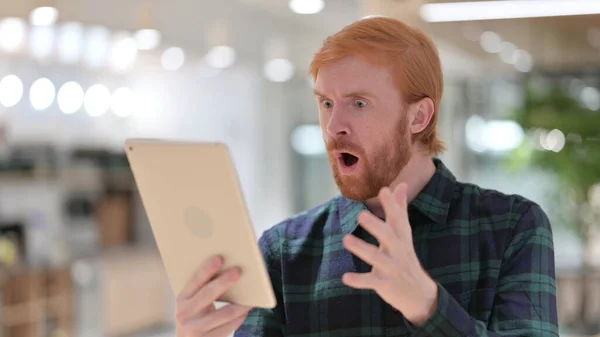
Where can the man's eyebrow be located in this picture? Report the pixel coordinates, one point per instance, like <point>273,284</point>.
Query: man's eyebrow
<point>350,94</point>
<point>358,94</point>
<point>318,93</point>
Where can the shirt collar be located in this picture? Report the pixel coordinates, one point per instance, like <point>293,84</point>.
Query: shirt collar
<point>433,201</point>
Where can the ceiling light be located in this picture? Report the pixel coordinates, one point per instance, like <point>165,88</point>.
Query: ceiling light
<point>509,53</point>
<point>307,140</point>
<point>554,141</point>
<point>97,46</point>
<point>43,16</point>
<point>306,6</point>
<point>474,132</point>
<point>279,70</point>
<point>124,53</point>
<point>12,34</point>
<point>41,94</point>
<point>220,57</point>
<point>147,39</point>
<point>508,9</point>
<point>493,136</point>
<point>524,61</point>
<point>97,100</point>
<point>70,97</point>
<point>11,90</point>
<point>70,42</point>
<point>590,97</point>
<point>491,42</point>
<point>41,41</point>
<point>502,135</point>
<point>172,58</point>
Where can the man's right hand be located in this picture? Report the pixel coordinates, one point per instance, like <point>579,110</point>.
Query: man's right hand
<point>196,313</point>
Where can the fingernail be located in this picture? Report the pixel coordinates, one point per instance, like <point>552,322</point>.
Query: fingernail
<point>216,261</point>
<point>234,273</point>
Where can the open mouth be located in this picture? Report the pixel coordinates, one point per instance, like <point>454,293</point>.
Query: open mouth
<point>348,159</point>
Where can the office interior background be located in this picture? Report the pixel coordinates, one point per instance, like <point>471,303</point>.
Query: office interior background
<point>520,113</point>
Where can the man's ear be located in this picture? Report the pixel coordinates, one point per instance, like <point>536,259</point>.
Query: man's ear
<point>422,113</point>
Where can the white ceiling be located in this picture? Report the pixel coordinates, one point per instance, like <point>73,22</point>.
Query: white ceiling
<point>187,23</point>
<point>251,23</point>
<point>557,44</point>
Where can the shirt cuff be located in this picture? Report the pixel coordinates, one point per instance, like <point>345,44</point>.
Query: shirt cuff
<point>449,319</point>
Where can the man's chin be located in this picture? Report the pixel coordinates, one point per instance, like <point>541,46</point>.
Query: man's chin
<point>356,191</point>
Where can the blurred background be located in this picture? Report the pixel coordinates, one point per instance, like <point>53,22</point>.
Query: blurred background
<point>521,114</point>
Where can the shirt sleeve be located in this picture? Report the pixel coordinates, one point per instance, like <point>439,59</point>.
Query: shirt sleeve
<point>525,299</point>
<point>266,322</point>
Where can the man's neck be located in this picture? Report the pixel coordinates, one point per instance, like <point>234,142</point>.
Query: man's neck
<point>416,174</point>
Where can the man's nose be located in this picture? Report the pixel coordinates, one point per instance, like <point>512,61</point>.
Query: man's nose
<point>337,125</point>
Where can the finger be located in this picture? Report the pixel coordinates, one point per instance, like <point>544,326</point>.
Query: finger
<point>361,280</point>
<point>367,252</point>
<point>218,318</point>
<point>400,195</point>
<point>227,329</point>
<point>396,216</point>
<point>206,296</point>
<point>377,227</point>
<point>207,271</point>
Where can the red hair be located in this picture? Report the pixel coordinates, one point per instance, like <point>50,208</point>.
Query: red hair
<point>409,53</point>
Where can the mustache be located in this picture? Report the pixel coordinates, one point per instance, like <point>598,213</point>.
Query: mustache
<point>342,145</point>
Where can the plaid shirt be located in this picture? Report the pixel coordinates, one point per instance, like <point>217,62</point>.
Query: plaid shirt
<point>491,255</point>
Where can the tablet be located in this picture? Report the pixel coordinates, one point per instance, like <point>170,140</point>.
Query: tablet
<point>194,202</point>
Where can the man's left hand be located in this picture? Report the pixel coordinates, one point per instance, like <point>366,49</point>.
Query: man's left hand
<point>396,275</point>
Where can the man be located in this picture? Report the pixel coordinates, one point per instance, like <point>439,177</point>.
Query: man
<point>406,250</point>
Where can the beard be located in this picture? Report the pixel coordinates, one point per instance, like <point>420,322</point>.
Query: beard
<point>377,169</point>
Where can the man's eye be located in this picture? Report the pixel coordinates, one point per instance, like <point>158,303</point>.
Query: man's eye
<point>360,103</point>
<point>328,104</point>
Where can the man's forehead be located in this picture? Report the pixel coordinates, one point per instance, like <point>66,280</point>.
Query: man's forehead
<point>352,81</point>
<point>352,70</point>
<point>349,65</point>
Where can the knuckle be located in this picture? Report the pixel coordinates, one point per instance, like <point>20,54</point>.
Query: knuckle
<point>387,240</point>
<point>387,285</point>
<point>211,290</point>
<point>209,267</point>
<point>203,274</point>
<point>394,218</point>
<point>206,271</point>
<point>218,286</point>
<point>380,257</point>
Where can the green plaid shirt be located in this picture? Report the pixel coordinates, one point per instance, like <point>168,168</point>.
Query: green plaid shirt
<point>490,253</point>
